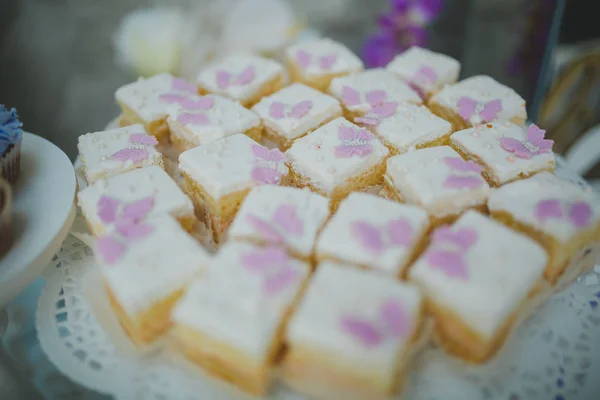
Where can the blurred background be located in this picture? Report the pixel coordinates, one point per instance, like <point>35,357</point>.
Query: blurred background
<point>61,61</point>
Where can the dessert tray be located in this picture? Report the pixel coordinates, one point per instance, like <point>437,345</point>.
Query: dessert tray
<point>47,182</point>
<point>552,355</point>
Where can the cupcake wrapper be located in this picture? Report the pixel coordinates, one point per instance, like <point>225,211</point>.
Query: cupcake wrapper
<point>10,163</point>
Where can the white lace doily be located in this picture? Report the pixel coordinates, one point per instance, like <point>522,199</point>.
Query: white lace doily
<point>555,354</point>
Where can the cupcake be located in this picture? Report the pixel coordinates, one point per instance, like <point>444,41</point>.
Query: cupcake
<point>11,136</point>
<point>5,216</point>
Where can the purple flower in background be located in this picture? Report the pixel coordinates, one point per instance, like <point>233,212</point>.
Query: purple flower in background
<point>403,26</point>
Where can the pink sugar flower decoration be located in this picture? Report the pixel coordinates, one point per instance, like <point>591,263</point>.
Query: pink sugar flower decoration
<point>448,249</point>
<point>187,102</point>
<point>178,84</point>
<point>285,219</point>
<point>378,113</point>
<point>226,79</point>
<point>127,223</point>
<point>578,213</point>
<point>486,112</point>
<point>534,145</point>
<point>465,174</point>
<point>376,240</point>
<point>267,162</point>
<point>280,110</point>
<point>304,60</point>
<point>273,265</point>
<point>393,322</point>
<point>136,150</point>
<point>355,142</point>
<point>193,119</point>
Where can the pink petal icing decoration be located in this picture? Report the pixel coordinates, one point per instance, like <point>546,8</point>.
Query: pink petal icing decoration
<point>193,119</point>
<point>354,150</point>
<point>281,280</point>
<point>223,78</point>
<point>463,182</point>
<point>327,61</point>
<point>451,262</point>
<point>463,237</point>
<point>171,98</point>
<point>535,136</point>
<point>107,209</point>
<point>363,331</point>
<point>264,153</point>
<point>246,76</point>
<point>301,109</point>
<point>202,103</point>
<point>110,249</point>
<point>264,258</point>
<point>580,214</point>
<point>303,58</point>
<point>395,317</point>
<point>367,121</point>
<point>138,210</point>
<point>516,146</point>
<point>182,85</point>
<point>132,230</point>
<point>276,110</point>
<point>400,232</point>
<point>368,236</point>
<point>267,176</point>
<point>534,145</point>
<point>286,217</point>
<point>458,164</point>
<point>350,96</point>
<point>376,97</point>
<point>491,110</point>
<point>467,108</point>
<point>385,110</point>
<point>550,208</point>
<point>264,229</point>
<point>134,155</point>
<point>142,138</point>
<point>356,142</point>
<point>424,76</point>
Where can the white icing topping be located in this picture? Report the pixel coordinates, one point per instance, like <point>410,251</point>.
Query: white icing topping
<point>368,82</point>
<point>372,231</point>
<point>408,65</point>
<point>483,142</point>
<point>502,267</point>
<point>292,216</point>
<point>317,155</point>
<point>227,165</point>
<point>482,89</point>
<point>229,303</point>
<point>135,185</point>
<point>522,200</point>
<point>239,86</point>
<point>410,126</point>
<point>144,96</point>
<point>225,117</point>
<point>340,292</point>
<point>322,108</point>
<point>422,177</point>
<point>325,57</point>
<point>154,267</point>
<point>99,152</point>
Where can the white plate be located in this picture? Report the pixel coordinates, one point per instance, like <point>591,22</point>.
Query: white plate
<point>43,211</point>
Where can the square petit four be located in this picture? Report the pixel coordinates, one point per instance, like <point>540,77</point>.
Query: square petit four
<point>134,195</point>
<point>476,276</point>
<point>231,321</point>
<point>145,267</point>
<point>411,127</point>
<point>437,179</point>
<point>560,215</point>
<point>317,62</point>
<point>424,70</point>
<point>370,91</point>
<point>336,159</point>
<point>147,102</point>
<point>219,175</point>
<point>478,100</point>
<point>108,153</point>
<point>245,78</point>
<point>505,151</point>
<point>283,216</point>
<point>352,334</point>
<point>295,111</point>
<point>373,232</point>
<point>203,119</point>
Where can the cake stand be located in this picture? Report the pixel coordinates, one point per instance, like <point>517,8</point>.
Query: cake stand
<point>43,211</point>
